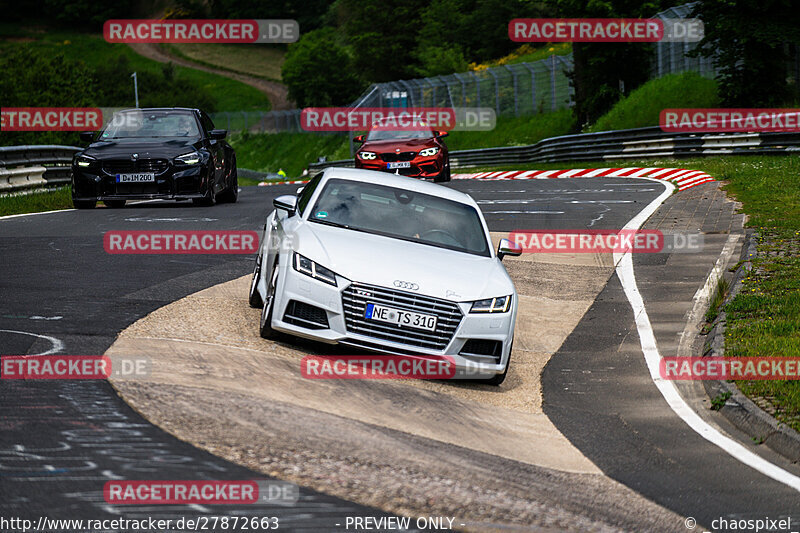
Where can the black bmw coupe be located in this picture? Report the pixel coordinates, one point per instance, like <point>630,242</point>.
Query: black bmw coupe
<point>155,153</point>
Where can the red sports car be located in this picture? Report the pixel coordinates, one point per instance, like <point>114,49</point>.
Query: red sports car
<point>418,153</point>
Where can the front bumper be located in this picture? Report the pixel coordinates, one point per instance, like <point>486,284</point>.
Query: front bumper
<point>420,167</point>
<point>176,183</point>
<point>337,327</point>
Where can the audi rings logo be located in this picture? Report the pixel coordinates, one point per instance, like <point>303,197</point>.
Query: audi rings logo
<point>406,285</point>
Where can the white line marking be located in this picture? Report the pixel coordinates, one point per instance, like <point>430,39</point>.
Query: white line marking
<point>57,344</point>
<point>39,213</point>
<point>647,338</point>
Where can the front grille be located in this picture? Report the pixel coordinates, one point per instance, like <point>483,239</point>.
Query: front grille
<point>483,348</point>
<point>305,315</point>
<point>356,297</point>
<point>391,157</point>
<point>123,166</point>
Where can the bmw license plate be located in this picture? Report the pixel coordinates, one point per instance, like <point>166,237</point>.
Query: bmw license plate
<point>399,164</point>
<point>400,317</point>
<point>141,177</point>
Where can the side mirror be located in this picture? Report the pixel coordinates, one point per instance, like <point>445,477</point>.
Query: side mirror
<point>218,135</point>
<point>87,136</point>
<point>441,134</point>
<point>359,138</point>
<point>507,247</point>
<point>287,202</point>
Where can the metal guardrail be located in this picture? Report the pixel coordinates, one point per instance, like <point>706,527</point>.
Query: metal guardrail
<point>639,143</point>
<point>34,166</point>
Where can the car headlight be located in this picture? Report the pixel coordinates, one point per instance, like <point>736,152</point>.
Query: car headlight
<point>367,155</point>
<point>84,161</point>
<point>491,305</point>
<point>306,266</point>
<point>429,151</point>
<point>192,158</point>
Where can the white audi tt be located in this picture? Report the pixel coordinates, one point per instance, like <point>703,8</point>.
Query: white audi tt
<point>387,264</point>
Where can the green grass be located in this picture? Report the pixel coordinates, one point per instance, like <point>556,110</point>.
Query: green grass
<point>642,106</point>
<point>34,202</point>
<point>294,151</point>
<point>230,95</point>
<point>260,60</point>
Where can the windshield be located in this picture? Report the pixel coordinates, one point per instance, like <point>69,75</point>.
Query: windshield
<point>151,124</point>
<point>401,214</point>
<point>398,135</point>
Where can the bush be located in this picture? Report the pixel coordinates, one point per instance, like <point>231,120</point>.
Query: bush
<point>643,106</point>
<point>319,72</point>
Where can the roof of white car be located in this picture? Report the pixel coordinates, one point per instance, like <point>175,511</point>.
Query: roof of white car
<point>401,182</point>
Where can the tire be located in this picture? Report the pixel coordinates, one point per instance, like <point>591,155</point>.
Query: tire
<point>443,176</point>
<point>269,303</point>
<point>255,297</point>
<point>84,204</point>
<point>114,204</point>
<point>231,194</point>
<point>209,199</point>
<point>498,379</point>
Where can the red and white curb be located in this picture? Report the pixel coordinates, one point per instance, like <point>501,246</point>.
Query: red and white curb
<point>683,178</point>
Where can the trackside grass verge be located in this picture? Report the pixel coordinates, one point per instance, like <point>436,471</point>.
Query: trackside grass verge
<point>763,319</point>
<point>36,201</point>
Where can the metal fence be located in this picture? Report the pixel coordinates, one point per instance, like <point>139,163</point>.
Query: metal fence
<point>673,57</point>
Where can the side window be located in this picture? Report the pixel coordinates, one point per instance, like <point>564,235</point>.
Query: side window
<point>208,125</point>
<point>308,191</point>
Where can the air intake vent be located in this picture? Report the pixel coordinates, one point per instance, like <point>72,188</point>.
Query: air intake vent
<point>305,315</point>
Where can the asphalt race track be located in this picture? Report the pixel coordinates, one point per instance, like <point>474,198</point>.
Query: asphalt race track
<point>62,293</point>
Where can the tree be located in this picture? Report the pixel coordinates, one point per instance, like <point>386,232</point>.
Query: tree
<point>319,72</point>
<point>603,72</point>
<point>748,41</point>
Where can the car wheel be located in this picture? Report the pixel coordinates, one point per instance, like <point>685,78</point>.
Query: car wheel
<point>269,303</point>
<point>498,379</point>
<point>231,194</point>
<point>255,296</point>
<point>84,204</point>
<point>443,176</point>
<point>209,199</point>
<point>114,204</point>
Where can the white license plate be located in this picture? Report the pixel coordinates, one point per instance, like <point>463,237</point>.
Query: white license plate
<point>142,177</point>
<point>399,164</point>
<point>400,317</point>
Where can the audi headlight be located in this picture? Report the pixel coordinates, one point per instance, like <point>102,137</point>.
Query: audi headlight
<point>367,155</point>
<point>84,161</point>
<point>306,266</point>
<point>192,158</point>
<point>491,305</point>
<point>429,151</point>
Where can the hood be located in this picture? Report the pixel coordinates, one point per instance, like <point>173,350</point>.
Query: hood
<point>406,145</point>
<point>161,148</point>
<point>377,260</point>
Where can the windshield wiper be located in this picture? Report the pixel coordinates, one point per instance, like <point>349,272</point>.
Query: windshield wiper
<point>329,223</point>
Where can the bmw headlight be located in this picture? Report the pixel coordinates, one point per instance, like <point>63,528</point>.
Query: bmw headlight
<point>84,161</point>
<point>306,266</point>
<point>367,155</point>
<point>429,151</point>
<point>491,305</point>
<point>192,158</point>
